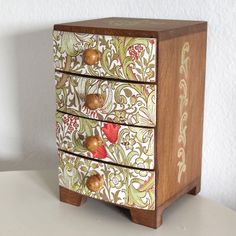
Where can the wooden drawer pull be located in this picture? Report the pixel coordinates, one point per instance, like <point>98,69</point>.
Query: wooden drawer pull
<point>93,142</point>
<point>94,101</point>
<point>91,56</point>
<point>95,182</point>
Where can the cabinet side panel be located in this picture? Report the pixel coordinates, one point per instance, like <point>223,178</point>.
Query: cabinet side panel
<point>180,113</point>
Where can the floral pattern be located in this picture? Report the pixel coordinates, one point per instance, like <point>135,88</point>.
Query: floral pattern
<point>122,186</point>
<point>123,58</point>
<point>100,153</point>
<point>111,132</point>
<point>125,145</point>
<point>183,114</point>
<point>125,103</point>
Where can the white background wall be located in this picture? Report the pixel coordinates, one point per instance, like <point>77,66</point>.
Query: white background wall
<point>27,128</point>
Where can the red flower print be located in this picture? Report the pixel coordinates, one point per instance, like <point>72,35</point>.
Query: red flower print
<point>134,51</point>
<point>111,131</point>
<point>100,153</point>
<point>152,41</point>
<point>70,122</point>
<point>138,47</point>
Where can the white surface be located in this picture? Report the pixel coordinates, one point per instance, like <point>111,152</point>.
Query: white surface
<point>29,206</point>
<point>27,137</point>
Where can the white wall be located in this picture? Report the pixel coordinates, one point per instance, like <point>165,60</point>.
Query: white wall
<point>27,129</point>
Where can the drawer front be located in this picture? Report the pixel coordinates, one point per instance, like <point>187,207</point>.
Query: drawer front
<point>123,58</point>
<point>124,145</point>
<point>123,186</point>
<point>124,103</point>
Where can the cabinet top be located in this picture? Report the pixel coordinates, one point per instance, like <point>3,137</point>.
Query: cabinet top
<point>138,27</point>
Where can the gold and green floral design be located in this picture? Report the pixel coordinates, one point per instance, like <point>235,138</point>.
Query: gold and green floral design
<point>125,145</point>
<point>123,58</point>
<point>123,186</point>
<point>125,103</point>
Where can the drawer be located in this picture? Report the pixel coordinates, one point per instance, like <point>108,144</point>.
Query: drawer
<point>124,58</point>
<point>123,186</point>
<point>124,103</point>
<point>120,144</point>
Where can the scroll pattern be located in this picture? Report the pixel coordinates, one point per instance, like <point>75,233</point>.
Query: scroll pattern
<point>124,145</point>
<point>125,103</point>
<point>183,114</point>
<point>124,58</point>
<point>123,186</point>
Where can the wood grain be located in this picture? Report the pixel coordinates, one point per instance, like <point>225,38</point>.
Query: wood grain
<point>171,35</point>
<point>71,197</point>
<point>147,218</point>
<point>168,113</point>
<point>135,27</point>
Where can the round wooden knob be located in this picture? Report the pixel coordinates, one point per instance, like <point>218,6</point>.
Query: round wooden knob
<point>95,182</point>
<point>91,56</point>
<point>93,142</point>
<point>94,101</point>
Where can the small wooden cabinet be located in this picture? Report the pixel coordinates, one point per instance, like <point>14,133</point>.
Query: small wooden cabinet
<point>129,96</point>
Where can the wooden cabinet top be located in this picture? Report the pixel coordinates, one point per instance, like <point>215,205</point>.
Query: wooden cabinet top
<point>138,27</point>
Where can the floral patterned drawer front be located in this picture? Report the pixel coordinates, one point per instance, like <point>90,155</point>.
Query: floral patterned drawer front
<point>123,186</point>
<point>125,103</point>
<point>121,57</point>
<point>125,145</point>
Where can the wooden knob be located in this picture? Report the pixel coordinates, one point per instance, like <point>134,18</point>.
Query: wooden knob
<point>93,142</point>
<point>94,101</point>
<point>91,56</point>
<point>95,182</point>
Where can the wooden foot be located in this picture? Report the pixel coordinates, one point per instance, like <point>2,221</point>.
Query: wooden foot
<point>147,218</point>
<point>196,189</point>
<point>71,197</point>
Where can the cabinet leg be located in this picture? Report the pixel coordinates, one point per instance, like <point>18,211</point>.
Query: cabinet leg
<point>147,218</point>
<point>71,197</point>
<point>196,189</point>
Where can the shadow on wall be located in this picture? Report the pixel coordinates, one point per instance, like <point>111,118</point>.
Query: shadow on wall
<point>34,86</point>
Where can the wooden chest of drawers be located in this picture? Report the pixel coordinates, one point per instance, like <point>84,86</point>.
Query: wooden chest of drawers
<point>129,96</point>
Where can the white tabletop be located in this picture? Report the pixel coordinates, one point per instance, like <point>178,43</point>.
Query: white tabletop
<point>29,205</point>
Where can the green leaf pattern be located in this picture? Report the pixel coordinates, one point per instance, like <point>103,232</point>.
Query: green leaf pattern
<point>125,103</point>
<point>123,186</point>
<point>134,146</point>
<point>123,58</point>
